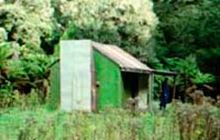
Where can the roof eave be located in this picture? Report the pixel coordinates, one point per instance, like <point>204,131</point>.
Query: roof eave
<point>165,73</point>
<point>123,69</point>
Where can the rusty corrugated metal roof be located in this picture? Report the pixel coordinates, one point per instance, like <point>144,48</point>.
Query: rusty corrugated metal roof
<point>126,61</point>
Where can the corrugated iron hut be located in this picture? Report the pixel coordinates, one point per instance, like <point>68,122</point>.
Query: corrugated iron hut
<point>95,76</point>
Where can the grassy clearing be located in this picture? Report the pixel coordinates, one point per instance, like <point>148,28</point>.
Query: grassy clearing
<point>111,124</point>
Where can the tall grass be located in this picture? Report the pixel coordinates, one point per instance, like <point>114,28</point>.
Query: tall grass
<point>199,122</point>
<point>178,122</point>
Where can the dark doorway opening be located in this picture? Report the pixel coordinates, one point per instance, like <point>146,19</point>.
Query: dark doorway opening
<point>130,83</point>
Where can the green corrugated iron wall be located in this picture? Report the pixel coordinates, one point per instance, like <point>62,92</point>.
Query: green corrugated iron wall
<point>54,96</point>
<point>108,74</point>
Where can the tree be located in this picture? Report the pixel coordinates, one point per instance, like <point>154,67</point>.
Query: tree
<point>126,23</point>
<point>189,27</point>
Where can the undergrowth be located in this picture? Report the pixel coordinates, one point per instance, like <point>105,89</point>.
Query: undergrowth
<point>178,122</point>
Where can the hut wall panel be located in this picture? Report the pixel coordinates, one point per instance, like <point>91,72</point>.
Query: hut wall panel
<point>109,92</point>
<point>76,75</point>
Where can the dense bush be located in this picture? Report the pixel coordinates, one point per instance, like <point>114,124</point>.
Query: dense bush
<point>24,64</point>
<point>126,23</point>
<point>189,67</point>
<point>189,28</point>
<point>199,122</point>
<point>23,25</point>
<point>22,70</point>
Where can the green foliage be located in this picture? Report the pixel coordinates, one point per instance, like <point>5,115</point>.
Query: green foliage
<point>192,23</point>
<point>209,59</point>
<point>3,35</point>
<point>5,53</point>
<point>127,24</point>
<point>202,78</point>
<point>23,64</point>
<point>189,27</point>
<point>23,25</point>
<point>13,98</point>
<point>53,100</point>
<point>189,67</point>
<point>21,70</point>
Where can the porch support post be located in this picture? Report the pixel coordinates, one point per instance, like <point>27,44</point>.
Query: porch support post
<point>174,88</point>
<point>150,88</point>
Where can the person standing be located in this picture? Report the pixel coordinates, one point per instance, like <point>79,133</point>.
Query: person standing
<point>164,98</point>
